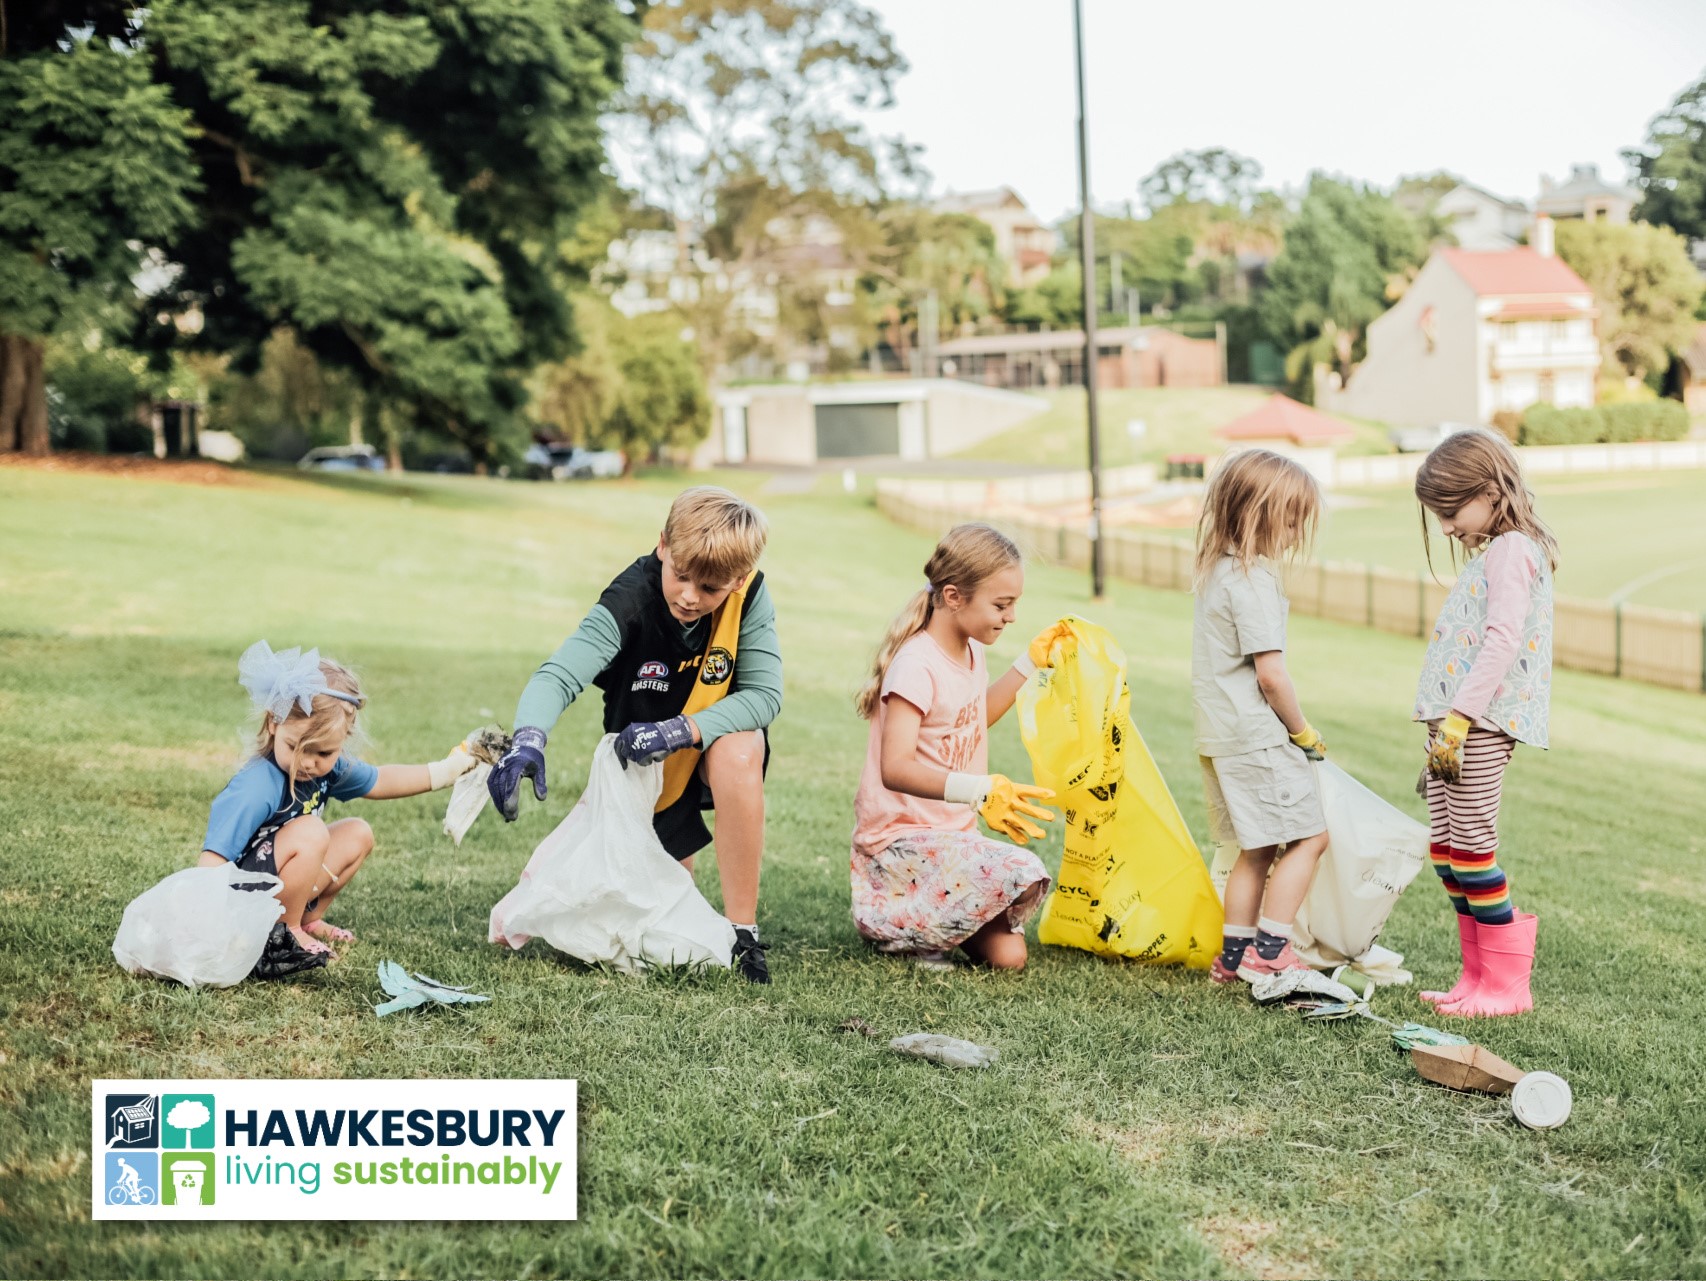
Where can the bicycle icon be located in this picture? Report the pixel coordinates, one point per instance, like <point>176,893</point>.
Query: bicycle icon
<point>119,1194</point>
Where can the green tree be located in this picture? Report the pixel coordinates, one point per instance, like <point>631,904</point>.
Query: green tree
<point>914,251</point>
<point>1349,255</point>
<point>742,115</point>
<point>94,166</point>
<point>1645,286</point>
<point>392,181</point>
<point>1670,171</point>
<point>1214,176</point>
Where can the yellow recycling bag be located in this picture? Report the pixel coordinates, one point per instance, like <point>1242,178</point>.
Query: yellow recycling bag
<point>1132,882</point>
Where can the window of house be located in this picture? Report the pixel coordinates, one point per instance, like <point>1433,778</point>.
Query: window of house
<point>1507,331</point>
<point>1546,387</point>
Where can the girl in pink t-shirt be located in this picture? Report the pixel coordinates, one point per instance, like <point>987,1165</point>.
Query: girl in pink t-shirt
<point>925,880</point>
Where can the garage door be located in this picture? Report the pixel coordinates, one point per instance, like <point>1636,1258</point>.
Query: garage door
<point>857,431</point>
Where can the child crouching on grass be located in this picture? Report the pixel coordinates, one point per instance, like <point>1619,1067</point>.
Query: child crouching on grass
<point>925,880</point>
<point>271,816</point>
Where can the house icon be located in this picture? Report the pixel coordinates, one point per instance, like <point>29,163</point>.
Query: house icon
<point>131,1122</point>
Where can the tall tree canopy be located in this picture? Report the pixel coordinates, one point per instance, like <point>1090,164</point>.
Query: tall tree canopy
<point>389,179</point>
<point>1645,286</point>
<point>1348,255</point>
<point>95,165</point>
<point>741,114</point>
<point>1670,170</point>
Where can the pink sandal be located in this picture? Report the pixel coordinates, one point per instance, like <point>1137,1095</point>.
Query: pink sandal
<point>329,932</point>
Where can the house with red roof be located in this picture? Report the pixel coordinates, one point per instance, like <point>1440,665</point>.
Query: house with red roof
<point>1477,333</point>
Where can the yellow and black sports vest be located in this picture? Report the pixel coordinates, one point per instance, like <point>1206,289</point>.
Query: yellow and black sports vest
<point>662,670</point>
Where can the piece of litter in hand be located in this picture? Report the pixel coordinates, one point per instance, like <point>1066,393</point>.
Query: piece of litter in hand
<point>412,990</point>
<point>949,1051</point>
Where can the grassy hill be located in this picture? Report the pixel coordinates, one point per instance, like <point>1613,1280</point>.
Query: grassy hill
<point>1139,1122</point>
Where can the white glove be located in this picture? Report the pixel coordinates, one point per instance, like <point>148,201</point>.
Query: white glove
<point>443,773</point>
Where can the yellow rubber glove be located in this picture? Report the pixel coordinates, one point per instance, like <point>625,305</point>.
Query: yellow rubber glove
<point>1041,651</point>
<point>1445,749</point>
<point>1313,745</point>
<point>1008,808</point>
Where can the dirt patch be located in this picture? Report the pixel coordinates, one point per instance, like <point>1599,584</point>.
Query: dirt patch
<point>185,471</point>
<point>1257,1248</point>
<point>1152,1144</point>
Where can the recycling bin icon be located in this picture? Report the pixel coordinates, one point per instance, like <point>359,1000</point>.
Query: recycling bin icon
<point>186,1178</point>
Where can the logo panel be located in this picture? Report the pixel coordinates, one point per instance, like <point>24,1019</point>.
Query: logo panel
<point>719,666</point>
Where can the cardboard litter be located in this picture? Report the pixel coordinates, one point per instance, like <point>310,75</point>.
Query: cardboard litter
<point>1465,1067</point>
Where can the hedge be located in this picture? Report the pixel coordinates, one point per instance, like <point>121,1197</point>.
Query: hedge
<point>1604,424</point>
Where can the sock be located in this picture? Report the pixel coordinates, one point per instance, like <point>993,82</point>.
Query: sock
<point>1484,886</point>
<point>750,929</point>
<point>1440,857</point>
<point>1271,938</point>
<point>1233,941</point>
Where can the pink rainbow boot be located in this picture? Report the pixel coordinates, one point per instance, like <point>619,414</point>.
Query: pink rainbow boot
<point>1507,961</point>
<point>1471,975</point>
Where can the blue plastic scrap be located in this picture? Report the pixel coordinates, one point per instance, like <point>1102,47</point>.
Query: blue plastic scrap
<point>412,990</point>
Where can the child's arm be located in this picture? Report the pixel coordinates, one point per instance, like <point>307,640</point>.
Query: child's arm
<point>1276,687</point>
<point>1510,576</point>
<point>390,782</point>
<point>1040,653</point>
<point>562,677</point>
<point>1005,805</point>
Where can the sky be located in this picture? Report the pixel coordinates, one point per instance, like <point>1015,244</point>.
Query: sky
<point>1498,91</point>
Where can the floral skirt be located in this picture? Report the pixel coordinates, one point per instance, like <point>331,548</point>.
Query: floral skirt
<point>932,891</point>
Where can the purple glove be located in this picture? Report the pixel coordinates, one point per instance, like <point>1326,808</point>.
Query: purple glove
<point>525,759</point>
<point>648,742</point>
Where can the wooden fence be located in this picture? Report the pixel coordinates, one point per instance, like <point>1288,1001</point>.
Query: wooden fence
<point>1659,646</point>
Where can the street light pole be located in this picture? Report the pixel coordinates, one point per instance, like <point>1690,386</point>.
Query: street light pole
<point>1087,263</point>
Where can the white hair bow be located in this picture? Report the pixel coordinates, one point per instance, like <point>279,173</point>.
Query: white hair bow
<point>278,682</point>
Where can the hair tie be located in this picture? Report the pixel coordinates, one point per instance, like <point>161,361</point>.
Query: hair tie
<point>929,588</point>
<point>280,682</point>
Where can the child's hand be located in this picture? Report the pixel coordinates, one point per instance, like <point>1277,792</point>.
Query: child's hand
<point>443,773</point>
<point>1445,749</point>
<point>1041,651</point>
<point>648,742</point>
<point>1310,740</point>
<point>1008,807</point>
<point>525,759</point>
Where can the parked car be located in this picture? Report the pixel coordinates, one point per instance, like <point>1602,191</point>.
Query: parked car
<point>571,462</point>
<point>342,458</point>
<point>1418,440</point>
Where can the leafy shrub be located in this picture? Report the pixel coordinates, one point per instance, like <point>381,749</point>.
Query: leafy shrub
<point>1603,424</point>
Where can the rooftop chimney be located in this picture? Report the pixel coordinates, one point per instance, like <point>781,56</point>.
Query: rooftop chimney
<point>1543,236</point>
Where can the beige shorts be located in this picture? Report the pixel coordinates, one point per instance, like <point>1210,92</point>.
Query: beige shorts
<point>1261,798</point>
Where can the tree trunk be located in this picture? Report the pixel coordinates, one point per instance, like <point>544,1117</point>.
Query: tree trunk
<point>23,396</point>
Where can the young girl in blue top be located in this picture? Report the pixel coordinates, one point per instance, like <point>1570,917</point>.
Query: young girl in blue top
<point>271,816</point>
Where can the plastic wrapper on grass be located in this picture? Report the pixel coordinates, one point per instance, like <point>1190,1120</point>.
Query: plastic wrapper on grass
<point>949,1051</point>
<point>468,796</point>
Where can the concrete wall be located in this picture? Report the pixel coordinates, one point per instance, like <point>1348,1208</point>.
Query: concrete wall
<point>781,429</point>
<point>960,415</point>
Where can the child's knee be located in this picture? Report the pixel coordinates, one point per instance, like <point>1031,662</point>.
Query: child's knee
<point>357,835</point>
<point>306,835</point>
<point>1005,952</point>
<point>739,757</point>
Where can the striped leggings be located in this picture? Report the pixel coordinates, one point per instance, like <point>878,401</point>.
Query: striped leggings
<point>1463,836</point>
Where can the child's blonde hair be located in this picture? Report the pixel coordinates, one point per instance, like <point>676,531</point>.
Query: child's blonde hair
<point>714,535</point>
<point>967,556</point>
<point>1464,466</point>
<point>1258,503</point>
<point>320,726</point>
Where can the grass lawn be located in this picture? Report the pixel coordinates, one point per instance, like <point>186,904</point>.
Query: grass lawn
<point>1139,1122</point>
<point>1176,420</point>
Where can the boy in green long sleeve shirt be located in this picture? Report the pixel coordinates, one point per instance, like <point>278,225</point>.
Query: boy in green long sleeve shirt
<point>683,646</point>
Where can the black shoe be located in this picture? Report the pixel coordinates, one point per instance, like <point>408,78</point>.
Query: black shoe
<point>749,957</point>
<point>284,956</point>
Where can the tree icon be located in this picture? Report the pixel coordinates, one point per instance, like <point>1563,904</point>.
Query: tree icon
<point>187,1115</point>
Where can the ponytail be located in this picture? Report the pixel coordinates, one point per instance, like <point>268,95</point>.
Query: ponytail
<point>908,623</point>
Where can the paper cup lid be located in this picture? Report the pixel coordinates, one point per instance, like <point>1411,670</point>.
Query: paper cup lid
<point>1541,1100</point>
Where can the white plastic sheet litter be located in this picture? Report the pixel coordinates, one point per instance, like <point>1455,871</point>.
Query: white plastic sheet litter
<point>1374,851</point>
<point>198,927</point>
<point>603,890</point>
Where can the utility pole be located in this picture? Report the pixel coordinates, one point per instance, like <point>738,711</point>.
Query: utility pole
<point>1087,263</point>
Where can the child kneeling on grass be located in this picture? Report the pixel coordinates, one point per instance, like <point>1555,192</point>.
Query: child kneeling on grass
<point>925,880</point>
<point>271,816</point>
<point>683,644</point>
<point>1253,739</point>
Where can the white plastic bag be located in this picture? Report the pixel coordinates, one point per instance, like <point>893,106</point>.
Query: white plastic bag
<point>602,889</point>
<point>1373,852</point>
<point>198,927</point>
<point>468,796</point>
